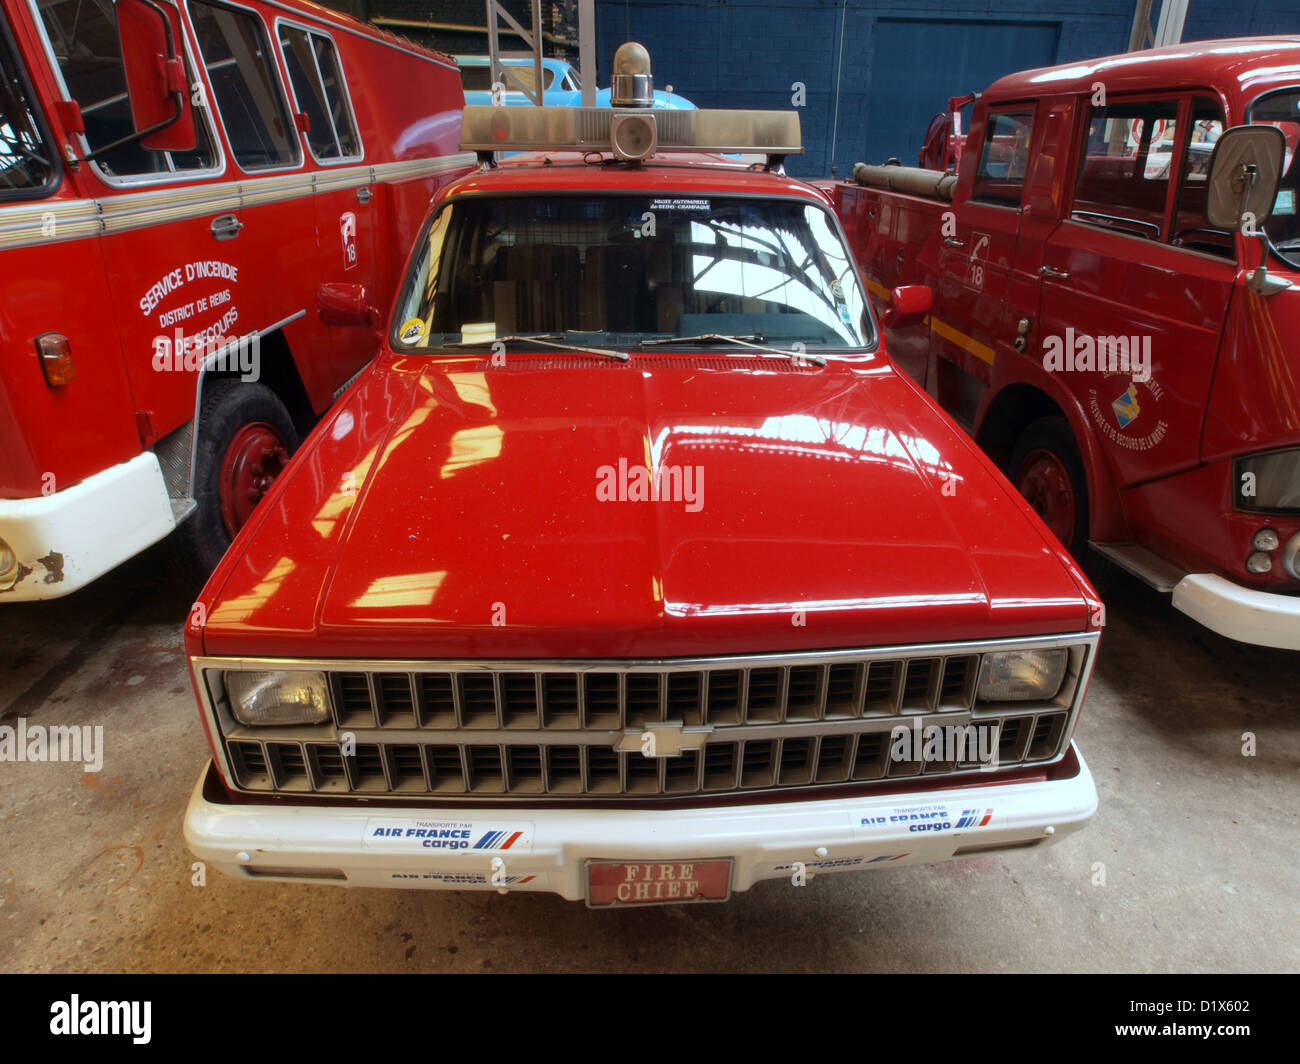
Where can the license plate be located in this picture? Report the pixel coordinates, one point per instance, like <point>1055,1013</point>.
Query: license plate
<point>615,883</point>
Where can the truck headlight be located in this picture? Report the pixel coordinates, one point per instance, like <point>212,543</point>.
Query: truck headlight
<point>1268,483</point>
<point>1022,675</point>
<point>278,697</point>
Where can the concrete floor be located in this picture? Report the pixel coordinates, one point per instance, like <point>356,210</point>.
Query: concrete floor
<point>1200,844</point>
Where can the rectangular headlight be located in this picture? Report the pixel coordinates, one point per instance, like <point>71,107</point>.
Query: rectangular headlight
<point>278,697</point>
<point>1022,675</point>
<point>1268,483</point>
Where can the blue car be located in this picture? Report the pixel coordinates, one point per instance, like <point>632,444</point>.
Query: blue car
<point>560,88</point>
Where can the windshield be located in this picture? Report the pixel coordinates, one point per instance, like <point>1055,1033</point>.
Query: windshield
<point>1282,109</point>
<point>615,270</point>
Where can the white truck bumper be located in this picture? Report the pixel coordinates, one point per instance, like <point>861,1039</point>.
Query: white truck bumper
<point>65,540</point>
<point>1261,618</point>
<point>542,849</point>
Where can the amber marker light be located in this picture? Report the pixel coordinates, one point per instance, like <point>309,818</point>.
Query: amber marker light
<point>56,359</point>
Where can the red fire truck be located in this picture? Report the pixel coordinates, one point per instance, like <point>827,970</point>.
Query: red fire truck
<point>632,569</point>
<point>1110,323</point>
<point>176,181</point>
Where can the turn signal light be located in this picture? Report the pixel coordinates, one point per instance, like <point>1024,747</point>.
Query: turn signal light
<point>55,354</point>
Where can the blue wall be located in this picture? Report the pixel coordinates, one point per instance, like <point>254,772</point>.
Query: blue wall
<point>748,53</point>
<point>1207,19</point>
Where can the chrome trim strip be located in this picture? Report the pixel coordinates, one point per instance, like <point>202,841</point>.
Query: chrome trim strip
<point>22,224</point>
<point>734,661</point>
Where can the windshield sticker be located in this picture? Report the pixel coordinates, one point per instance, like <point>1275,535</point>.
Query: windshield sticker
<point>670,204</point>
<point>412,331</point>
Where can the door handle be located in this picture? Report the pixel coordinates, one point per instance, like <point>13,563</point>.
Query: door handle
<point>952,242</point>
<point>226,227</point>
<point>1052,271</point>
<point>364,194</point>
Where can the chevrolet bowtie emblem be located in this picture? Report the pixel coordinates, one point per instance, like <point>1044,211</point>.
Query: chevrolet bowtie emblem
<point>663,739</point>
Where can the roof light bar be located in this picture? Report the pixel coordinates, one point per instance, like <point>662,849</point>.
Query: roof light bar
<point>490,129</point>
<point>632,130</point>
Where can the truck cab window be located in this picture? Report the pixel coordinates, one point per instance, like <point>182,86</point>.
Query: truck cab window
<point>1282,109</point>
<point>1190,227</point>
<point>1004,158</point>
<point>241,68</point>
<point>26,162</point>
<point>318,89</point>
<point>83,36</point>
<point>1124,172</point>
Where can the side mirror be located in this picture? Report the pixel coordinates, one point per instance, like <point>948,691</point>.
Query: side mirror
<point>345,305</point>
<point>1244,173</point>
<point>156,83</point>
<point>908,305</point>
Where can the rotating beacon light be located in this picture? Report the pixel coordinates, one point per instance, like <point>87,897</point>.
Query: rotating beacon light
<point>632,136</point>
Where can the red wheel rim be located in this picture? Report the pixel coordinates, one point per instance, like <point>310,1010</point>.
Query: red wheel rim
<point>1044,482</point>
<point>255,457</point>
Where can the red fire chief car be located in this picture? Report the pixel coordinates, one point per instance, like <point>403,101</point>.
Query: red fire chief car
<point>632,569</point>
<point>176,178</point>
<point>1116,276</point>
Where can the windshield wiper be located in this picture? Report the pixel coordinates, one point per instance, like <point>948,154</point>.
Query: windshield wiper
<point>545,340</point>
<point>739,341</point>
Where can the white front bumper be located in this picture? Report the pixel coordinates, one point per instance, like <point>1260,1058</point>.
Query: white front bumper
<point>546,849</point>
<point>67,539</point>
<point>1261,618</point>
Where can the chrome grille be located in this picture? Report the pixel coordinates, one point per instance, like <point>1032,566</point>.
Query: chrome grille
<point>549,729</point>
<point>507,696</point>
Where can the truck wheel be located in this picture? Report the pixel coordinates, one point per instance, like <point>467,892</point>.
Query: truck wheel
<point>245,439</point>
<point>1046,469</point>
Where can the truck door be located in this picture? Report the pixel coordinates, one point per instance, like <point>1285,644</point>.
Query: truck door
<point>174,271</point>
<point>1134,269</point>
<point>976,249</point>
<point>344,200</point>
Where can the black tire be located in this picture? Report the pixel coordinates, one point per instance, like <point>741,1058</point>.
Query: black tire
<point>228,406</point>
<point>1053,436</point>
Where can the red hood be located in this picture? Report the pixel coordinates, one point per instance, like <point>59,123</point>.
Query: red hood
<point>450,509</point>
